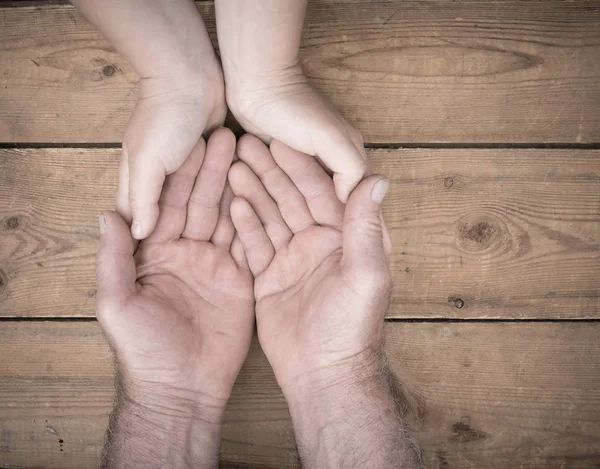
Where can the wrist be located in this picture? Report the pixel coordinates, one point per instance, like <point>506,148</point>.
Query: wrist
<point>242,77</point>
<point>154,428</point>
<point>176,403</point>
<point>201,91</point>
<point>207,77</point>
<point>336,411</point>
<point>318,380</point>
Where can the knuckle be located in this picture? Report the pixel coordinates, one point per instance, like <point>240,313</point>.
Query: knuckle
<point>365,224</point>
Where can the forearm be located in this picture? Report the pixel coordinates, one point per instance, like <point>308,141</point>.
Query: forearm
<point>350,417</point>
<point>158,37</point>
<point>259,36</point>
<point>157,431</point>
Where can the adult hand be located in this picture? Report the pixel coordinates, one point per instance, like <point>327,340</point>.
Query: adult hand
<point>178,313</point>
<point>321,278</point>
<point>322,287</point>
<point>268,93</point>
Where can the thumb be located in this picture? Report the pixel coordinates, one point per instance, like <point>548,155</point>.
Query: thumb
<point>345,160</point>
<point>115,266</point>
<point>146,178</point>
<point>363,239</point>
<point>157,142</point>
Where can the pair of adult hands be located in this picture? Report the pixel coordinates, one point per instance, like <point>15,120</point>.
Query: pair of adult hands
<point>266,237</point>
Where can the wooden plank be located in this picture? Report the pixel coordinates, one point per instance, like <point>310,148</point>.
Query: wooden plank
<point>477,233</point>
<point>426,71</point>
<point>499,395</point>
<point>51,200</point>
<point>494,233</point>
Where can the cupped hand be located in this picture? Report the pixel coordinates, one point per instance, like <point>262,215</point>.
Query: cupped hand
<point>282,105</point>
<point>179,311</point>
<point>171,115</point>
<point>321,278</point>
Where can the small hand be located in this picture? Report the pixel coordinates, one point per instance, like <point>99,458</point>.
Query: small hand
<point>321,277</point>
<point>282,105</point>
<point>181,94</point>
<point>179,312</point>
<point>169,118</point>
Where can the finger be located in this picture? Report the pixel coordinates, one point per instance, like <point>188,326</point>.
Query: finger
<point>346,159</point>
<point>203,206</point>
<point>257,245</point>
<point>123,207</point>
<point>247,185</point>
<point>174,198</point>
<point>280,187</point>
<point>362,232</point>
<point>238,254</point>
<point>387,238</point>
<point>225,231</point>
<point>146,178</point>
<point>313,183</point>
<point>115,267</point>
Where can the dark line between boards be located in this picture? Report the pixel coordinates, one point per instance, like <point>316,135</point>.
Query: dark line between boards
<point>487,146</point>
<point>36,145</point>
<point>49,319</point>
<point>493,320</point>
<point>388,146</point>
<point>390,320</point>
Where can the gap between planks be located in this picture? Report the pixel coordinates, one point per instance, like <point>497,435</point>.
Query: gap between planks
<point>379,146</point>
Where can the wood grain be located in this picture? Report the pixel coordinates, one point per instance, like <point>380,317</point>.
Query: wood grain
<point>50,202</point>
<point>494,233</point>
<point>426,71</point>
<point>476,233</point>
<point>499,395</point>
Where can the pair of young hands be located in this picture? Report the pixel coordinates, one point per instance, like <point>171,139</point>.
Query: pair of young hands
<point>183,89</point>
<point>264,238</point>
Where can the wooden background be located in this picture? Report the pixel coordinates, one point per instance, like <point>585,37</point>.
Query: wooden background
<point>486,117</point>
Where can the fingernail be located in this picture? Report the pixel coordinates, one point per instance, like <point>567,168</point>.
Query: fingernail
<point>102,223</point>
<point>136,229</point>
<point>379,190</point>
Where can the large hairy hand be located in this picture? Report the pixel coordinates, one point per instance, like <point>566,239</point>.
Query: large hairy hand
<point>322,287</point>
<point>321,277</point>
<point>179,312</point>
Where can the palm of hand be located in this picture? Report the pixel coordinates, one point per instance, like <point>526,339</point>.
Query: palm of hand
<point>292,294</point>
<point>179,313</point>
<point>192,302</point>
<point>303,297</point>
<point>309,304</point>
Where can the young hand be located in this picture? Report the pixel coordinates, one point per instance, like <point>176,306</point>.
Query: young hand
<point>181,94</point>
<point>268,93</point>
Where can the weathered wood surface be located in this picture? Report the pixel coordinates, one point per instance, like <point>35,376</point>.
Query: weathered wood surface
<point>425,71</point>
<point>499,395</point>
<point>477,233</point>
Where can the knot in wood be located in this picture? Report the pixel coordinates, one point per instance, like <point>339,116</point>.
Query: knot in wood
<point>109,70</point>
